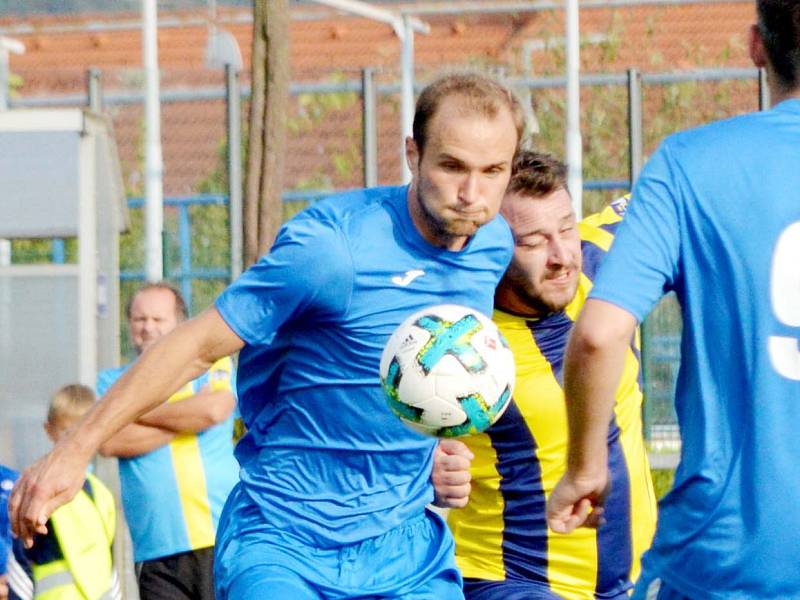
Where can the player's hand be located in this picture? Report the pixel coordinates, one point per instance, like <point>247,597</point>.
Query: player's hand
<point>577,502</point>
<point>51,481</point>
<point>450,474</point>
<point>3,588</point>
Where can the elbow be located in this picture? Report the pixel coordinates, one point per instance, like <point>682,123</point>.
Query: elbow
<point>107,450</point>
<point>590,341</point>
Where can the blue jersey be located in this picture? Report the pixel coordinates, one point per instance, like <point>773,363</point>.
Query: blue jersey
<point>715,216</point>
<point>324,458</point>
<point>173,496</point>
<point>7,479</point>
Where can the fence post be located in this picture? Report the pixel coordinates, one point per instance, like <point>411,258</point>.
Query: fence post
<point>635,137</point>
<point>185,240</point>
<point>369,127</point>
<point>94,89</point>
<point>233,104</point>
<point>635,159</point>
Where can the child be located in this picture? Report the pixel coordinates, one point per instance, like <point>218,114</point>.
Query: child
<point>73,561</point>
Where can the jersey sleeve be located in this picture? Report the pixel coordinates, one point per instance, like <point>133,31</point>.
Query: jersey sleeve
<point>307,275</point>
<point>643,261</point>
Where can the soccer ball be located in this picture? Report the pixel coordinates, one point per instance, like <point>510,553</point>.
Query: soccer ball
<point>447,371</point>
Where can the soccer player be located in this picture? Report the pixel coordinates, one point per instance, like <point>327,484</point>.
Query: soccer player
<point>503,545</point>
<point>176,463</point>
<point>331,502</point>
<point>715,216</point>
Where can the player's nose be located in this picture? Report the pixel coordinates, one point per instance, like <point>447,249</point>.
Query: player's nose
<point>469,191</point>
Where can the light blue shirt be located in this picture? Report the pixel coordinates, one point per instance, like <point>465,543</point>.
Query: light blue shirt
<point>324,458</point>
<point>715,216</point>
<point>173,496</point>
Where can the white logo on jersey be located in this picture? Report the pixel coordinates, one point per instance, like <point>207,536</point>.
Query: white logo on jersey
<point>410,276</point>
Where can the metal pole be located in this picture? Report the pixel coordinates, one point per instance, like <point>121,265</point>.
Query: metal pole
<point>370,127</point>
<point>406,92</point>
<point>94,87</point>
<point>154,164</point>
<point>635,137</point>
<point>234,125</point>
<point>764,101</point>
<point>573,137</point>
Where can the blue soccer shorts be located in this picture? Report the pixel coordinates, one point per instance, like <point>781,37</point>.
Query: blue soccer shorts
<point>414,561</point>
<point>651,587</point>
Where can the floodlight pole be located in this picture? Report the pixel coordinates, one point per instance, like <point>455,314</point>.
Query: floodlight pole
<point>154,163</point>
<point>404,27</point>
<point>573,136</point>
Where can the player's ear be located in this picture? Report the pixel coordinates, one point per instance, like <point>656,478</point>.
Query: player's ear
<point>412,155</point>
<point>758,54</point>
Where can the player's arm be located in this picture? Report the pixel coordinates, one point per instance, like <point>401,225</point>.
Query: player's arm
<point>194,414</point>
<point>593,365</point>
<point>136,439</point>
<point>450,475</point>
<point>177,358</point>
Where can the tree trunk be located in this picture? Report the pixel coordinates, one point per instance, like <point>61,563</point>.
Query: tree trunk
<point>269,102</point>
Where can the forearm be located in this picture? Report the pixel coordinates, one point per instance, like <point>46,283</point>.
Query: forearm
<point>195,414</point>
<point>135,439</point>
<point>174,360</point>
<point>593,366</point>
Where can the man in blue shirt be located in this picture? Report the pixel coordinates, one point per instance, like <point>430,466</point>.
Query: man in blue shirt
<point>176,463</point>
<point>715,217</point>
<point>331,502</point>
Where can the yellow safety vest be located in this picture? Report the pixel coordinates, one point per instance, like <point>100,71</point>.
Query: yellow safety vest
<point>84,529</point>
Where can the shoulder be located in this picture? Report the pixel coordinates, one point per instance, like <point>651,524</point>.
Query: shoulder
<point>692,145</point>
<point>327,226</point>
<point>107,377</point>
<point>343,207</point>
<point>494,236</point>
<point>597,233</point>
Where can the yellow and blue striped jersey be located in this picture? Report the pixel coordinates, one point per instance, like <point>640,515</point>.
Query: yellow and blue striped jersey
<point>502,533</point>
<point>173,496</point>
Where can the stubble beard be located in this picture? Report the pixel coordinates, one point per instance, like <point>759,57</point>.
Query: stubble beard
<point>539,304</point>
<point>441,228</point>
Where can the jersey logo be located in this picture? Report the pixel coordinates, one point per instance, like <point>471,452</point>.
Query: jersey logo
<point>410,276</point>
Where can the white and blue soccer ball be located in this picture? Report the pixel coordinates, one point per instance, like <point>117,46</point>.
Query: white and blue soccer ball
<point>447,371</point>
